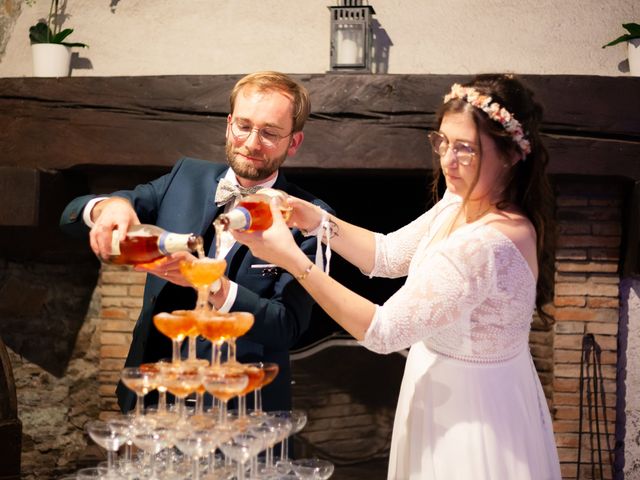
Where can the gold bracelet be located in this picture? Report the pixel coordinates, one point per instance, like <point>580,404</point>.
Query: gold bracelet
<point>305,274</point>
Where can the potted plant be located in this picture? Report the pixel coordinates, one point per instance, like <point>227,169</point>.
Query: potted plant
<point>51,54</point>
<point>633,44</point>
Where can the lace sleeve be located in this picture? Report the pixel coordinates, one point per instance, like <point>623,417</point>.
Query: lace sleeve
<point>395,250</point>
<point>442,288</point>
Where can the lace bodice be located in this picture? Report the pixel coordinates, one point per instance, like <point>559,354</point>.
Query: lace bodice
<point>470,296</point>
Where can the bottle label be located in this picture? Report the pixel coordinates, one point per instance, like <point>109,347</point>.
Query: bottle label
<point>173,242</point>
<point>239,218</point>
<point>115,242</point>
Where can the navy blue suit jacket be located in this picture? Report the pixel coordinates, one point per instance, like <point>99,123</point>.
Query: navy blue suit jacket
<point>183,201</point>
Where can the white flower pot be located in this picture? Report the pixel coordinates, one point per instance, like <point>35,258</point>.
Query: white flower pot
<point>634,56</point>
<point>50,60</point>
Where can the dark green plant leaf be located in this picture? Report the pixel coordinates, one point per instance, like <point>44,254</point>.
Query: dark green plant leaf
<point>632,28</point>
<point>621,39</point>
<point>40,33</point>
<point>60,36</point>
<point>634,32</point>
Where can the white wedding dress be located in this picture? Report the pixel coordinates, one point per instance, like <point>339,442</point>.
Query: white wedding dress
<point>471,405</point>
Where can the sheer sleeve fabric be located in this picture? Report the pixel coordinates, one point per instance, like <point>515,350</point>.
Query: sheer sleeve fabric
<point>440,290</point>
<point>394,251</point>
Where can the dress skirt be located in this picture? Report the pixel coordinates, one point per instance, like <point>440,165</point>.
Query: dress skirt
<point>460,420</point>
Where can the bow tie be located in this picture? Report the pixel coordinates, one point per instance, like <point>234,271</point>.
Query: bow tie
<point>228,191</point>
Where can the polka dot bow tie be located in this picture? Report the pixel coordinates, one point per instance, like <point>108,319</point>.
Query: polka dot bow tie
<point>228,191</point>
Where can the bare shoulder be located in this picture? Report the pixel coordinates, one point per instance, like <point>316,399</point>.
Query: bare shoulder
<point>519,229</point>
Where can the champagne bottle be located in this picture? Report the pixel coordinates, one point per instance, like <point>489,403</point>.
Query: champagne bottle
<point>253,212</point>
<point>146,243</point>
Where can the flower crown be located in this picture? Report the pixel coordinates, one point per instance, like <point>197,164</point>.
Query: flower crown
<point>496,112</point>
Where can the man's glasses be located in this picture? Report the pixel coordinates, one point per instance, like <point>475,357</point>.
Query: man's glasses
<point>462,151</point>
<point>269,138</point>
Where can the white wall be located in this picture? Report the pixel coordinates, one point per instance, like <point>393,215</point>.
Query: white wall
<point>165,37</point>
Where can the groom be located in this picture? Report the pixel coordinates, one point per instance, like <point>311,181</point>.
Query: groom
<point>268,112</point>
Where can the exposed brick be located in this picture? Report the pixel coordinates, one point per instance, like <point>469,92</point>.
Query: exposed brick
<point>113,290</point>
<point>609,267</point>
<point>115,339</point>
<point>571,201</point>
<point>568,399</point>
<point>114,313</point>
<point>602,328</point>
<point>117,325</point>
<point>587,314</point>
<point>569,470</point>
<point>604,254</point>
<point>604,278</point>
<point>564,412</point>
<point>114,351</point>
<point>111,302</point>
<point>565,426</point>
<point>568,241</point>
<point>607,342</point>
<point>606,228</point>
<point>567,454</point>
<point>566,439</point>
<point>567,356</point>
<point>589,288</point>
<point>570,277</point>
<point>541,351</point>
<point>136,290</point>
<point>118,278</point>
<point>570,342</point>
<point>134,302</point>
<point>602,302</point>
<point>573,228</point>
<point>574,254</point>
<point>566,370</point>
<point>566,384</point>
<point>570,301</point>
<point>112,364</point>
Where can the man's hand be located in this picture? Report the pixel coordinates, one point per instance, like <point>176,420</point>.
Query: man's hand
<point>168,268</point>
<point>108,215</point>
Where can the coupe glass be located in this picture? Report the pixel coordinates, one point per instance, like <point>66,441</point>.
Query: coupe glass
<point>224,382</point>
<point>241,448</point>
<point>270,372</point>
<point>255,372</point>
<point>152,437</point>
<point>181,379</point>
<point>218,327</point>
<point>176,325</point>
<point>141,382</point>
<point>91,473</point>
<point>201,273</point>
<point>198,441</point>
<point>298,419</point>
<point>110,439</point>
<point>312,468</point>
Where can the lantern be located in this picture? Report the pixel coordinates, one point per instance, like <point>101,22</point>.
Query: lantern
<point>351,37</point>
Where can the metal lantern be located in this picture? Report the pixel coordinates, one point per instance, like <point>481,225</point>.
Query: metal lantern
<point>351,37</point>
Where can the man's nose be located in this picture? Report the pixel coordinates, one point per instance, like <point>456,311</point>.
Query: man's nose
<point>253,140</point>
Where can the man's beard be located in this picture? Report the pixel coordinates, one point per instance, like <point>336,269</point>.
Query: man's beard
<point>245,169</point>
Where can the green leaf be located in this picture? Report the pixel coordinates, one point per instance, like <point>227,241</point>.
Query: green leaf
<point>621,39</point>
<point>60,36</point>
<point>40,33</point>
<point>632,28</point>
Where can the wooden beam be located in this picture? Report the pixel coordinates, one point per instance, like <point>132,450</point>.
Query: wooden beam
<point>592,124</point>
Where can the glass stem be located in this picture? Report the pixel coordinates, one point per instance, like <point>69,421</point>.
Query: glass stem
<point>231,350</point>
<point>192,347</point>
<point>162,400</point>
<point>284,450</point>
<point>199,403</point>
<point>242,406</point>
<point>111,461</point>
<point>139,404</point>
<point>195,471</point>
<point>257,400</point>
<point>175,354</point>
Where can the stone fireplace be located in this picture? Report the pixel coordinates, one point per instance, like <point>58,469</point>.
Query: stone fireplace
<point>67,320</point>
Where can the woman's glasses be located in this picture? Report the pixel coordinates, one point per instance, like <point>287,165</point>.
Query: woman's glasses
<point>269,138</point>
<point>462,151</point>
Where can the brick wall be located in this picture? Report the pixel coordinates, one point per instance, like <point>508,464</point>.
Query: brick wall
<point>587,301</point>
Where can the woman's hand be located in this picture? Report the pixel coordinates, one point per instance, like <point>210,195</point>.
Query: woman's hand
<point>276,244</point>
<point>305,215</point>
